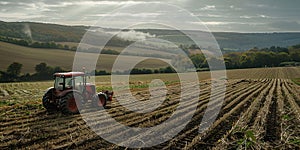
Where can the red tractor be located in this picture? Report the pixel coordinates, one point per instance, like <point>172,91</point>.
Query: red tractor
<point>71,91</point>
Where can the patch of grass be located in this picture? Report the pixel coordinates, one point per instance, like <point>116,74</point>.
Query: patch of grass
<point>6,103</point>
<point>138,86</point>
<point>295,141</point>
<point>286,117</point>
<point>245,138</point>
<point>134,85</point>
<point>101,88</point>
<point>296,81</point>
<point>248,140</point>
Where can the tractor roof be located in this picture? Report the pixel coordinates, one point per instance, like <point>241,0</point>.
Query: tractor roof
<point>69,74</point>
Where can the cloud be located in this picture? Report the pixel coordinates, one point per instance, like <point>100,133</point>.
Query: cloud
<point>234,7</point>
<point>209,15</point>
<point>126,15</point>
<point>17,16</point>
<point>264,16</point>
<point>246,17</point>
<point>4,3</point>
<point>232,15</point>
<point>231,23</point>
<point>93,3</point>
<point>261,5</point>
<point>133,35</point>
<point>215,23</point>
<point>286,25</point>
<point>256,16</point>
<point>214,16</point>
<point>209,7</point>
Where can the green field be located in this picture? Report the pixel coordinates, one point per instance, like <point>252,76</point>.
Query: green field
<point>30,57</point>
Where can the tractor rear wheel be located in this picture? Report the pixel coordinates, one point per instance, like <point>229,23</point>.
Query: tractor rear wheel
<point>99,101</point>
<point>71,103</point>
<point>46,100</point>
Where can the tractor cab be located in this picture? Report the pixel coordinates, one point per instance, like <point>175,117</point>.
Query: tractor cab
<point>70,80</point>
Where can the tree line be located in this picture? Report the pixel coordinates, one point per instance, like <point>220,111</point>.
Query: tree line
<point>42,72</point>
<point>45,72</point>
<point>255,58</point>
<point>115,41</point>
<point>53,45</point>
<point>13,73</point>
<point>36,44</point>
<point>167,69</point>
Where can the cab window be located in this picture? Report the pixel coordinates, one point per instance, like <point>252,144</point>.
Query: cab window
<point>69,83</point>
<point>59,83</point>
<point>78,83</point>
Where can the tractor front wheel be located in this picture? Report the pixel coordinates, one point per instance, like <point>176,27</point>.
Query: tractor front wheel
<point>71,103</point>
<point>99,101</point>
<point>47,101</point>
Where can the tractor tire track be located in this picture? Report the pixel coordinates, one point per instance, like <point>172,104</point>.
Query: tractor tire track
<point>223,124</point>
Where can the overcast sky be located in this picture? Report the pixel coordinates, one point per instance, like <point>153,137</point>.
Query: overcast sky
<point>218,15</point>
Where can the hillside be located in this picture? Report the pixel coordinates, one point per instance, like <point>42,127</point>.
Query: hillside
<point>231,40</point>
<point>227,40</point>
<point>245,41</point>
<point>30,57</point>
<point>42,31</point>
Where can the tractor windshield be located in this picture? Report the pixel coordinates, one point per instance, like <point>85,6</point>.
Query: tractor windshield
<point>69,83</point>
<point>78,82</point>
<point>59,83</point>
<point>62,83</point>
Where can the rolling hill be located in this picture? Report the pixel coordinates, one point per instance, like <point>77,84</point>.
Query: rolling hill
<point>227,40</point>
<point>231,40</point>
<point>42,31</point>
<point>30,57</point>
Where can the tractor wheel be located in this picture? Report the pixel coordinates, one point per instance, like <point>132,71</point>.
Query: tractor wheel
<point>99,101</point>
<point>47,101</point>
<point>71,103</point>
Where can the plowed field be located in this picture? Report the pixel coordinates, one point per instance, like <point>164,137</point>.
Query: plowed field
<point>261,109</point>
